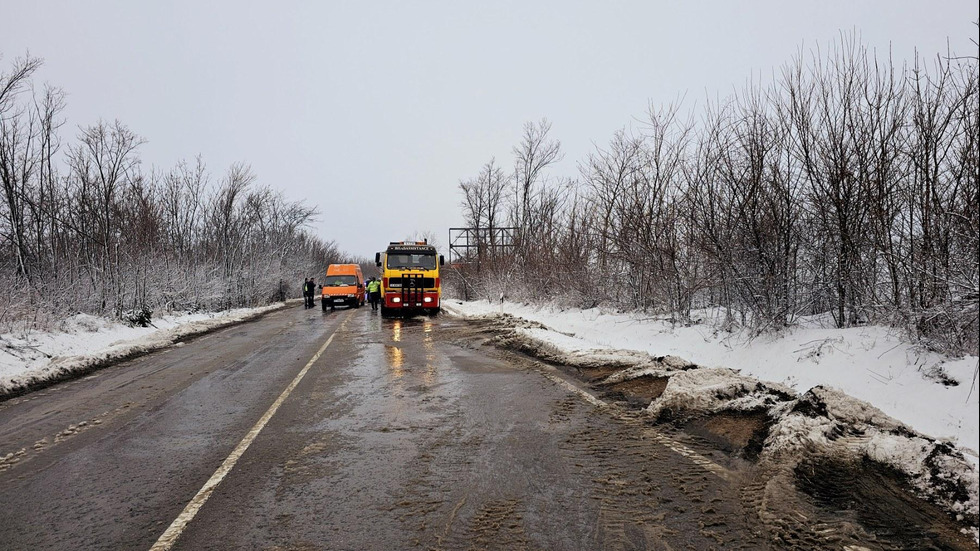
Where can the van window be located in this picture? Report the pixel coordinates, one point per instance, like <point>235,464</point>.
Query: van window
<point>340,280</point>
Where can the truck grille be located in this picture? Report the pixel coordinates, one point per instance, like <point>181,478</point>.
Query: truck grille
<point>412,282</point>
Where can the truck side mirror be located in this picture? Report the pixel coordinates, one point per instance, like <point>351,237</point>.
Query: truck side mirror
<point>377,259</point>
<point>442,261</point>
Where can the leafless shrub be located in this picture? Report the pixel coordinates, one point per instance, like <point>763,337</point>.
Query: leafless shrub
<point>106,238</point>
<point>848,186</point>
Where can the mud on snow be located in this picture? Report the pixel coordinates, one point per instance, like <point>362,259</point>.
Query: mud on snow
<point>877,474</point>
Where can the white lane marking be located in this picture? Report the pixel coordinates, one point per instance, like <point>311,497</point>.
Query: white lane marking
<point>670,443</point>
<point>588,397</point>
<point>169,537</point>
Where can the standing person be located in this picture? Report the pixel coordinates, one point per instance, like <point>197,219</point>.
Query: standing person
<point>307,285</point>
<point>367,291</point>
<point>312,293</point>
<point>374,292</point>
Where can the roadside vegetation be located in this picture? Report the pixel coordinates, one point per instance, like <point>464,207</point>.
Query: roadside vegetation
<point>84,227</point>
<point>847,186</point>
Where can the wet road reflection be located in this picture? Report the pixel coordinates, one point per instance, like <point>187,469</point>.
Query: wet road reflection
<point>396,358</point>
<point>430,354</point>
<point>393,353</point>
<point>415,433</point>
<point>396,330</point>
<point>404,336</point>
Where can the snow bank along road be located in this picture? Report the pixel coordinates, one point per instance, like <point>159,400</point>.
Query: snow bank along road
<point>304,430</point>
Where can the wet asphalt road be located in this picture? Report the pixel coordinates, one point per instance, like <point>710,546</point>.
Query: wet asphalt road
<point>403,434</point>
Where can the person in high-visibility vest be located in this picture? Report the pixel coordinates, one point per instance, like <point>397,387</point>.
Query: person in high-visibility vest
<point>307,292</point>
<point>374,292</point>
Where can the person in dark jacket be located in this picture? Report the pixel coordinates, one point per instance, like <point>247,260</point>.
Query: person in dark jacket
<point>307,290</point>
<point>312,300</point>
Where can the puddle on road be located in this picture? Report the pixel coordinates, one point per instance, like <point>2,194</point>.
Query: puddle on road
<point>395,357</point>
<point>404,350</point>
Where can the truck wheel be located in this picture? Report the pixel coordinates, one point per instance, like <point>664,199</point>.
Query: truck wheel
<point>323,304</point>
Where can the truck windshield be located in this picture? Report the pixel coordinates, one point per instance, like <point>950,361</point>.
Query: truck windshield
<point>418,261</point>
<point>340,280</point>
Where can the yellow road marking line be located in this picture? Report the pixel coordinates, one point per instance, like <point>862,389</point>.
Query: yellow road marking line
<point>176,528</point>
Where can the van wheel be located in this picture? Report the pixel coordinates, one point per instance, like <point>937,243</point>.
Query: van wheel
<point>323,304</point>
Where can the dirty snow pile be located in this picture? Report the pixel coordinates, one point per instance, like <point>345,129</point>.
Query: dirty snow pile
<point>860,392</point>
<point>83,342</point>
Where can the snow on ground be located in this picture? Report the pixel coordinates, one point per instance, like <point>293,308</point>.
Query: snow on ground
<point>860,392</point>
<point>814,381</point>
<point>85,341</point>
<point>870,363</point>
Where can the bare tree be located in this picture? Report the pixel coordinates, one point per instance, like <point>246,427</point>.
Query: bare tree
<point>103,164</point>
<point>20,156</point>
<point>607,173</point>
<point>846,187</point>
<point>532,157</point>
<point>482,206</point>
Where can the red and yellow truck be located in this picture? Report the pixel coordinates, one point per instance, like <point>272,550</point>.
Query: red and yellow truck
<point>410,282</point>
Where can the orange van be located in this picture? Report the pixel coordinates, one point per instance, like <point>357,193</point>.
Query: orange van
<point>344,285</point>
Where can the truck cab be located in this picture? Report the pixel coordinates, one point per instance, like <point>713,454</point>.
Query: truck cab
<point>410,281</point>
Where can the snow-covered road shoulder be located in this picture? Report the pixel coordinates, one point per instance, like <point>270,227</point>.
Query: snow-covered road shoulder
<point>667,369</point>
<point>85,343</point>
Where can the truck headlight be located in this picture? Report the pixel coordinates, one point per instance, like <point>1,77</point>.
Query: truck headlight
<point>396,300</point>
<point>427,299</point>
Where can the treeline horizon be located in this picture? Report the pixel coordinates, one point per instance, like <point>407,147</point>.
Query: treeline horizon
<point>84,230</point>
<point>845,187</point>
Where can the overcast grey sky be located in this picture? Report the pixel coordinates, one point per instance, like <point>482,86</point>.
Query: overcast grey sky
<point>373,111</point>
